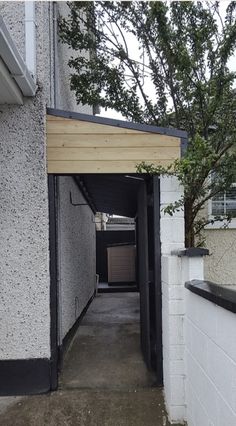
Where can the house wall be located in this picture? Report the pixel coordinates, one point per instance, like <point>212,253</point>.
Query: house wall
<point>76,272</point>
<point>76,251</point>
<point>24,221</point>
<point>24,256</point>
<point>14,18</point>
<point>65,98</point>
<point>210,357</point>
<point>220,265</point>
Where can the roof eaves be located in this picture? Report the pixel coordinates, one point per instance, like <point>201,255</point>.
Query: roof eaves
<point>14,62</point>
<point>118,123</point>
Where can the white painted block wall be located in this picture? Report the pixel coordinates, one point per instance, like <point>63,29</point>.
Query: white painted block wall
<point>172,238</point>
<point>210,337</point>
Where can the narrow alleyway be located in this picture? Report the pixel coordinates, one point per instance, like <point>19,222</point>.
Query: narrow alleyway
<point>105,353</point>
<point>104,380</point>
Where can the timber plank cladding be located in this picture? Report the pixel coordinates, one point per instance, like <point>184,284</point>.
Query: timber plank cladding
<point>80,146</point>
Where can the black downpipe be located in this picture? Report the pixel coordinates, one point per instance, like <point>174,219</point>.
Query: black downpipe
<point>53,280</point>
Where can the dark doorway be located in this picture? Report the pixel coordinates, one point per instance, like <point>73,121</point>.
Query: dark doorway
<point>132,196</point>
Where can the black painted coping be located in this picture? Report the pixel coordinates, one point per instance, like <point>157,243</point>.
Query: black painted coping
<point>191,252</point>
<point>220,295</point>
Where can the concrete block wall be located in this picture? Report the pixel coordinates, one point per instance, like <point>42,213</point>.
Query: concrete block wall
<point>210,356</point>
<point>172,238</point>
<point>76,253</point>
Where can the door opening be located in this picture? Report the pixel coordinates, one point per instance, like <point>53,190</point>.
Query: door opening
<point>132,196</point>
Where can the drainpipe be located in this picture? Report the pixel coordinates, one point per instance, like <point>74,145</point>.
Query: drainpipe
<point>55,54</point>
<point>30,37</point>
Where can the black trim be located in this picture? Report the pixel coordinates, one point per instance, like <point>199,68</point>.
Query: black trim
<point>118,123</point>
<point>191,252</point>
<point>184,145</point>
<point>71,333</point>
<point>220,295</point>
<point>53,280</point>
<point>25,376</point>
<point>157,274</point>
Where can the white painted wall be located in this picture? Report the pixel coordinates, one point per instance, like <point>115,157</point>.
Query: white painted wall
<point>210,354</point>
<point>76,253</point>
<point>172,238</point>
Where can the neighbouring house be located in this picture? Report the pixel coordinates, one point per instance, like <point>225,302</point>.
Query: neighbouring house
<point>56,173</point>
<point>221,240</point>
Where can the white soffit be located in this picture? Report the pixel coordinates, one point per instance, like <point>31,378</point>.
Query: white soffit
<point>9,91</point>
<point>15,78</point>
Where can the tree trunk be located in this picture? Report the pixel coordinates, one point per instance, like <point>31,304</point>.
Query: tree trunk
<point>189,229</point>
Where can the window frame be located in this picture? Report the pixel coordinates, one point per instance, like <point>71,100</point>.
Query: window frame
<point>218,224</point>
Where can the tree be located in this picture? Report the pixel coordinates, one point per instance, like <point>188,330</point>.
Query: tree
<point>180,78</point>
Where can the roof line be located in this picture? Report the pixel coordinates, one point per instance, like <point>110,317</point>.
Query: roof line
<point>118,123</point>
<point>14,62</point>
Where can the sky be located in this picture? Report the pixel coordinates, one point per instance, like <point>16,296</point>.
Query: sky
<point>232,64</point>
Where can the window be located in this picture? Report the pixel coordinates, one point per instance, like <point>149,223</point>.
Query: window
<point>224,203</point>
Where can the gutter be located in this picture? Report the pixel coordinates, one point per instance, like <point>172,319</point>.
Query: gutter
<point>15,64</point>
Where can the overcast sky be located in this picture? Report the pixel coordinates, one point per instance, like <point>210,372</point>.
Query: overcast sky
<point>232,64</point>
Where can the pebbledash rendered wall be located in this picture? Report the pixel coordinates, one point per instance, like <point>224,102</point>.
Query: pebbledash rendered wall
<point>220,265</point>
<point>76,254</point>
<point>24,250</point>
<point>66,99</point>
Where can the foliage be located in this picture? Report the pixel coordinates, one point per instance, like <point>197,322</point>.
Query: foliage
<point>180,78</point>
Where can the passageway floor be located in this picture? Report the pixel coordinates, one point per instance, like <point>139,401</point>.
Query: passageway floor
<point>104,381</point>
<point>105,353</point>
<point>89,408</point>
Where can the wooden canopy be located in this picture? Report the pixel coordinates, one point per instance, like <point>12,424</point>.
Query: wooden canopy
<point>80,143</point>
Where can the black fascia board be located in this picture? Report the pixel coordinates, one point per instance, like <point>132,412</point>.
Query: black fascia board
<point>182,134</point>
<point>183,146</point>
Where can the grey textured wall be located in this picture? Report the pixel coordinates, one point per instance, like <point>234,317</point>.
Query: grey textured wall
<point>77,251</point>
<point>24,256</point>
<point>14,16</point>
<point>65,97</point>
<point>220,265</point>
<point>24,250</point>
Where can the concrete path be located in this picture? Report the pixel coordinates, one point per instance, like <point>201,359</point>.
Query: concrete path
<point>104,380</point>
<point>106,350</point>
